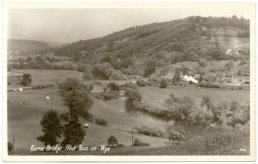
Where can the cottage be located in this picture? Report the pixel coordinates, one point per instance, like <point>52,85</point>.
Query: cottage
<point>189,79</point>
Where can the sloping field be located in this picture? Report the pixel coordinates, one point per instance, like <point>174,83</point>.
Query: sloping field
<point>25,110</point>
<point>156,97</point>
<point>40,77</point>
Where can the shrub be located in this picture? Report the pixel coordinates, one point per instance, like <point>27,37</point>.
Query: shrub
<point>112,140</point>
<point>87,75</point>
<point>163,83</point>
<point>208,85</point>
<point>133,94</point>
<point>113,86</point>
<point>200,116</point>
<point>137,142</point>
<point>176,135</point>
<point>109,95</point>
<point>240,114</point>
<point>87,116</point>
<point>101,122</point>
<point>128,86</point>
<point>10,147</point>
<point>67,66</point>
<point>99,71</point>
<point>180,108</point>
<point>26,79</point>
<point>226,142</point>
<point>150,68</point>
<point>156,132</point>
<point>141,83</point>
<point>39,87</point>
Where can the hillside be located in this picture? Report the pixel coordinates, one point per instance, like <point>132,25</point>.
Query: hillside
<point>206,45</point>
<point>150,48</point>
<point>29,45</point>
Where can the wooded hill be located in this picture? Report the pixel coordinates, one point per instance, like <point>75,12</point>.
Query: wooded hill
<point>29,45</point>
<point>204,44</point>
<point>140,49</point>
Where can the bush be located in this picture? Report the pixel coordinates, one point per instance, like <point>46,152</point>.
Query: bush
<point>87,75</point>
<point>150,67</point>
<point>101,122</point>
<point>163,83</point>
<point>180,108</point>
<point>225,143</point>
<point>133,95</point>
<point>200,117</point>
<point>141,83</point>
<point>112,140</point>
<point>10,147</point>
<point>26,79</point>
<point>109,95</point>
<point>137,142</point>
<point>67,66</point>
<point>156,132</point>
<point>208,85</point>
<point>176,135</point>
<point>38,87</point>
<point>113,86</point>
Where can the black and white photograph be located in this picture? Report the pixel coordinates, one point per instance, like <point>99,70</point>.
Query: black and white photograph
<point>129,81</point>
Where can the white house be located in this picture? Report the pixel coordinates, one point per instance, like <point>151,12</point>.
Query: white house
<point>189,78</point>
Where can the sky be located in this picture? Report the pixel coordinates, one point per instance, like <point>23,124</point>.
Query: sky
<point>65,25</point>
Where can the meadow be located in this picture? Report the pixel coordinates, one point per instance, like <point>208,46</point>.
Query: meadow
<point>25,110</point>
<point>156,97</point>
<point>41,77</point>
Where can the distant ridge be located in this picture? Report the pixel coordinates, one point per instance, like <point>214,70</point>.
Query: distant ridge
<point>29,45</point>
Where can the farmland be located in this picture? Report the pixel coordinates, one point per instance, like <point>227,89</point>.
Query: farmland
<point>41,77</point>
<point>156,97</point>
<point>25,110</point>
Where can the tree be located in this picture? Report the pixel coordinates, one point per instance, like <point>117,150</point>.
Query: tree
<point>200,116</point>
<point>73,133</point>
<point>206,101</point>
<point>180,108</point>
<point>87,75</point>
<point>113,86</point>
<point>39,60</point>
<point>233,106</point>
<point>26,79</point>
<point>76,96</point>
<point>163,83</point>
<point>29,59</point>
<point>201,78</point>
<point>112,140</point>
<point>150,68</point>
<point>81,67</point>
<point>176,78</point>
<point>133,95</point>
<point>10,147</point>
<point>141,83</point>
<point>217,53</point>
<point>52,128</point>
<point>176,135</point>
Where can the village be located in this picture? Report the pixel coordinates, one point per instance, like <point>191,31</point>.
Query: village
<point>20,82</point>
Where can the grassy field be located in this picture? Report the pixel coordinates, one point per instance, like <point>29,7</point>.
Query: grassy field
<point>40,77</point>
<point>25,110</point>
<point>156,97</point>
